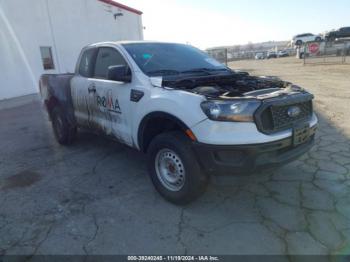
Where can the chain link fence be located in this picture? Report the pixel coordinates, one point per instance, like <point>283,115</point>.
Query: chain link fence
<point>220,55</point>
<point>226,55</point>
<point>337,52</point>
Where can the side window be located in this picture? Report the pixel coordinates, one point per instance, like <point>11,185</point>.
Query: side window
<point>86,63</point>
<point>107,57</point>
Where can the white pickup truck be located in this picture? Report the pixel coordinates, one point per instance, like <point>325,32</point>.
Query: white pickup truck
<point>301,39</point>
<point>193,116</point>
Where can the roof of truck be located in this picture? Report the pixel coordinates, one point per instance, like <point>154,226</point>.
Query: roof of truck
<point>130,42</point>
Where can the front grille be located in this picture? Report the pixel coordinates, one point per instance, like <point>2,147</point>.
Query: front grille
<point>281,118</point>
<point>275,117</point>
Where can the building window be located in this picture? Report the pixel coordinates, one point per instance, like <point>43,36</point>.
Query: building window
<point>46,57</point>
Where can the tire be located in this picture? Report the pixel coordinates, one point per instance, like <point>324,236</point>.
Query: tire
<point>171,157</point>
<point>65,134</point>
<point>299,43</point>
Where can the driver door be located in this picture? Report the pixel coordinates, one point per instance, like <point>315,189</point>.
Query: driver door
<point>111,98</point>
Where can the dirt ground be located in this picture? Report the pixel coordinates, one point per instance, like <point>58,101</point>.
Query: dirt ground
<point>329,83</point>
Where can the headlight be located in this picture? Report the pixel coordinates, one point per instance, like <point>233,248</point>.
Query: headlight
<point>236,111</point>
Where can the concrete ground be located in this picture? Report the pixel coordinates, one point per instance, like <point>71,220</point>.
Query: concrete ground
<point>95,197</point>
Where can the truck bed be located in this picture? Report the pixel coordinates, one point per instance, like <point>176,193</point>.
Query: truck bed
<point>55,90</point>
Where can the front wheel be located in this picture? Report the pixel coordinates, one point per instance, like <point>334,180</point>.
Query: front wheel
<point>174,169</point>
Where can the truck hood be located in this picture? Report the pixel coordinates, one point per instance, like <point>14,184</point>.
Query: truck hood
<point>230,85</point>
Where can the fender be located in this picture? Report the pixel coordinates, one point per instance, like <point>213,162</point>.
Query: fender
<point>153,115</point>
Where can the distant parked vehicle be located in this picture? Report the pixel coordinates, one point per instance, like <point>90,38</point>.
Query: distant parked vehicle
<point>341,32</point>
<point>271,54</point>
<point>282,53</point>
<point>298,40</point>
<point>259,56</point>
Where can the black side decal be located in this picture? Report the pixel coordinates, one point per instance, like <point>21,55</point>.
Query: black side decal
<point>136,95</point>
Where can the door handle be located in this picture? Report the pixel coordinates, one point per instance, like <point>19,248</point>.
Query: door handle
<point>92,88</point>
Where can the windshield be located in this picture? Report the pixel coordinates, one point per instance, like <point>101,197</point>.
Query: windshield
<point>165,59</point>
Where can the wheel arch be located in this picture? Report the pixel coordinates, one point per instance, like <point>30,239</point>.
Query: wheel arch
<point>165,122</point>
<point>51,103</point>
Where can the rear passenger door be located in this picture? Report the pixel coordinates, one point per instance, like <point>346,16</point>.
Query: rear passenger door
<point>309,38</point>
<point>112,98</point>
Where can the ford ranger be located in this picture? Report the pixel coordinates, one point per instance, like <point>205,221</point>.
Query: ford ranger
<point>193,116</point>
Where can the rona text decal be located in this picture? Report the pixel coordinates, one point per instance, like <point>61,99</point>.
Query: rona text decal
<point>109,102</point>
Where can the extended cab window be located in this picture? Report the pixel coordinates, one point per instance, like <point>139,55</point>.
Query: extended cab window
<point>86,63</point>
<point>107,57</point>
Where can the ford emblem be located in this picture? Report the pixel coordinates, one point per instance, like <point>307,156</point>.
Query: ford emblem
<point>294,111</point>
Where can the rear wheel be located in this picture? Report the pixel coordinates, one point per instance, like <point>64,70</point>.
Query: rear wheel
<point>65,134</point>
<point>174,169</point>
<point>299,43</point>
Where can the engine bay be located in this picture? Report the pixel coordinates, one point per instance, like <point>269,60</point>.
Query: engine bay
<point>232,85</point>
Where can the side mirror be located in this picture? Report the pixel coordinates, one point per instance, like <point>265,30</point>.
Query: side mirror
<point>120,73</point>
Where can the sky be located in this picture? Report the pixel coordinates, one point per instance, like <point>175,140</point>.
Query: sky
<point>209,23</point>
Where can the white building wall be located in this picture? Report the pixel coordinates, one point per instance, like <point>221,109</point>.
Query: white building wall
<point>64,25</point>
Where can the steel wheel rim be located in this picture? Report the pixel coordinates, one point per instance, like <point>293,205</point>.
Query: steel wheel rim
<point>170,170</point>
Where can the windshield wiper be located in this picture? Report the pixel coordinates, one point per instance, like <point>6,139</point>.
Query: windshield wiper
<point>204,70</point>
<point>164,72</point>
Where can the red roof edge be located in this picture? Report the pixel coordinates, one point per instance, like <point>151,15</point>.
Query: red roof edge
<point>114,3</point>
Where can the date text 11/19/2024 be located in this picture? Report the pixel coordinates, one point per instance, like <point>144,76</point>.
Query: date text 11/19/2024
<point>173,258</point>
